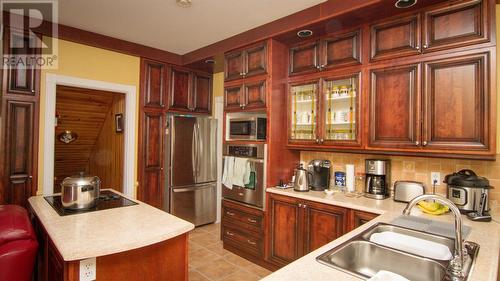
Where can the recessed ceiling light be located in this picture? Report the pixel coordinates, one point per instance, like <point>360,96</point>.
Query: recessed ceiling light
<point>405,3</point>
<point>184,3</point>
<point>304,33</point>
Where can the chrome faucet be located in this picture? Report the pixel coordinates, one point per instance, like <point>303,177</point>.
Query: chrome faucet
<point>457,263</point>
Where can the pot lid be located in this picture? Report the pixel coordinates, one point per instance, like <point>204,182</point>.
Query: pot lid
<point>81,179</point>
<point>467,178</point>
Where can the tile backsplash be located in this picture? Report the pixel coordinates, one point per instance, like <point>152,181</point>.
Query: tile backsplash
<point>414,168</point>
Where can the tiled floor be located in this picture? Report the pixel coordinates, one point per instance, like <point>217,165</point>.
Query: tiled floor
<point>208,261</point>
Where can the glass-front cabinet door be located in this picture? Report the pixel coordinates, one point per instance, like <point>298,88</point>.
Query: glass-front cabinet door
<point>303,114</point>
<point>340,110</point>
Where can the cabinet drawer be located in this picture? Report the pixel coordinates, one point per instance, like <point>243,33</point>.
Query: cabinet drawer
<point>246,220</point>
<point>243,241</point>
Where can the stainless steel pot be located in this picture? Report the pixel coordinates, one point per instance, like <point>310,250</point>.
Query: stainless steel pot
<point>80,191</point>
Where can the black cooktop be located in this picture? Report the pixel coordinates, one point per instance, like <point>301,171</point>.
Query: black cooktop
<point>107,200</point>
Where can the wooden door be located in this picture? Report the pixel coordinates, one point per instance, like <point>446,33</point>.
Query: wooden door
<point>451,26</point>
<point>323,224</point>
<point>155,84</point>
<point>358,218</point>
<point>21,80</point>
<point>255,95</point>
<point>341,50</point>
<point>256,60</point>
<point>304,58</point>
<point>202,93</point>
<point>285,230</point>
<point>181,98</point>
<point>18,138</point>
<point>234,98</point>
<point>395,38</point>
<point>457,103</point>
<point>394,120</point>
<point>234,65</point>
<point>152,183</point>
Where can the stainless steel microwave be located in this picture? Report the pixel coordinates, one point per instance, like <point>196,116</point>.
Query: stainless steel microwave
<point>251,128</point>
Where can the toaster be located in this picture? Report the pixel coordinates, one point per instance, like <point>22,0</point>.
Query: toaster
<point>405,191</point>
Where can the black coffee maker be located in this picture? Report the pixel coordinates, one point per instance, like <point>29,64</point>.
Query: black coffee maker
<point>377,178</point>
<point>319,174</point>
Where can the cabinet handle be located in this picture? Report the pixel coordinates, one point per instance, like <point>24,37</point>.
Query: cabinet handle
<point>417,47</point>
<point>230,213</point>
<point>241,73</point>
<point>304,206</point>
<point>229,233</point>
<point>251,242</point>
<point>425,46</point>
<point>417,143</point>
<point>33,90</point>
<point>30,177</point>
<point>318,66</point>
<point>252,220</point>
<point>317,141</point>
<point>424,143</point>
<point>300,205</point>
<point>321,140</point>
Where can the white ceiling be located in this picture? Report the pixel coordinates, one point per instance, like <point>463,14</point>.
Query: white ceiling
<point>164,25</point>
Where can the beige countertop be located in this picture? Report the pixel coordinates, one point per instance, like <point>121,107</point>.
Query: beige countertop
<point>106,232</point>
<point>486,234</point>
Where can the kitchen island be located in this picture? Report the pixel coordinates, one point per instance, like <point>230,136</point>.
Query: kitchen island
<point>135,242</point>
<point>487,235</point>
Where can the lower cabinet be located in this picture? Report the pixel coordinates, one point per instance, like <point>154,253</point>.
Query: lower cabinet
<point>297,227</point>
<point>242,230</point>
<point>358,218</point>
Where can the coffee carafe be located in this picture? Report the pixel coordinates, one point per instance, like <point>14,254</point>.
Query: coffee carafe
<point>301,182</point>
<point>377,178</point>
<point>320,174</point>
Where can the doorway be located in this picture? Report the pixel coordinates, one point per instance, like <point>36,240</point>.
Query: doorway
<point>89,135</point>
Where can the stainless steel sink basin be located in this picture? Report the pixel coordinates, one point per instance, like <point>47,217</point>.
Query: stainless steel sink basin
<point>365,259</point>
<point>448,242</point>
<point>362,258</point>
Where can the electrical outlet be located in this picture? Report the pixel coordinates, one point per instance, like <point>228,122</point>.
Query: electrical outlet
<point>87,270</point>
<point>436,178</point>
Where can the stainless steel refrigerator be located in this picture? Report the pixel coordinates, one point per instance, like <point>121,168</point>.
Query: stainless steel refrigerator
<point>192,168</point>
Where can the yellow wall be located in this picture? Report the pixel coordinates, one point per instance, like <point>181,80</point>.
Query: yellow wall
<point>217,87</point>
<point>86,62</point>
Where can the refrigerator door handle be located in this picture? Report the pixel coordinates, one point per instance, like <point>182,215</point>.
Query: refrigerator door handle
<point>199,150</point>
<point>194,152</point>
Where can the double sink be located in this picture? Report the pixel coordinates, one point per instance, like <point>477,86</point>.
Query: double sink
<point>362,258</point>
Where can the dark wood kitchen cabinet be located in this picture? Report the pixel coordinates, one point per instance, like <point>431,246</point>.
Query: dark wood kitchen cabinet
<point>19,128</point>
<point>332,51</point>
<point>246,94</point>
<point>395,38</point>
<point>190,91</point>
<point>457,119</point>
<point>155,84</point>
<point>450,26</point>
<point>449,114</point>
<point>297,227</point>
<point>394,112</point>
<point>248,62</point>
<point>358,218</point>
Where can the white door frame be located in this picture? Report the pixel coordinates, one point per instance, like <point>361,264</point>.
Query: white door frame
<point>51,82</point>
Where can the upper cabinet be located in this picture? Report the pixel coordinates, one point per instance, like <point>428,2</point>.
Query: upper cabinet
<point>330,52</point>
<point>445,27</point>
<point>456,25</point>
<point>324,112</point>
<point>395,38</point>
<point>246,63</point>
<point>154,83</point>
<point>190,91</point>
<point>250,94</point>
<point>450,114</point>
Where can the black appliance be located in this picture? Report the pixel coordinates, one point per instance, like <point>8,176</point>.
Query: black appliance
<point>107,200</point>
<point>319,174</point>
<point>249,128</point>
<point>466,190</point>
<point>377,178</point>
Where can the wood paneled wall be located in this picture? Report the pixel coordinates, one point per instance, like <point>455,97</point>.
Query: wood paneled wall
<point>98,149</point>
<point>106,159</point>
